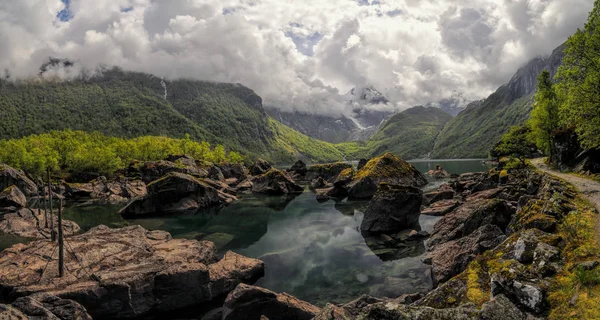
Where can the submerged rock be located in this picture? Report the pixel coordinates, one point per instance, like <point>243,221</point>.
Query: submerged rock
<point>387,168</point>
<point>12,197</point>
<point>393,208</point>
<point>251,303</point>
<point>275,182</point>
<point>177,193</point>
<point>260,167</point>
<point>127,272</point>
<point>10,176</point>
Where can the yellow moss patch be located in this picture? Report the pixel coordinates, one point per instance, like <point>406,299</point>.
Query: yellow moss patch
<point>346,174</point>
<point>503,173</point>
<point>385,166</point>
<point>571,296</point>
<point>475,292</point>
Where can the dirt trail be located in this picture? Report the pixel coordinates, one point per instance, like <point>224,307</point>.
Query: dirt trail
<point>590,189</point>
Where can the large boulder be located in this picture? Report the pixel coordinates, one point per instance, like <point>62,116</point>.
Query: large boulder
<point>275,182</point>
<point>128,272</point>
<point>12,197</point>
<point>327,171</point>
<point>260,167</point>
<point>103,190</point>
<point>451,258</point>
<point>299,168</point>
<point>386,168</point>
<point>469,217</point>
<point>10,176</point>
<point>153,170</point>
<point>234,170</point>
<point>30,223</point>
<point>177,193</point>
<point>250,303</point>
<point>393,208</point>
<point>215,173</point>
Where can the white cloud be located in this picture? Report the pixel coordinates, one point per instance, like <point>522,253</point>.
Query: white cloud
<point>299,55</point>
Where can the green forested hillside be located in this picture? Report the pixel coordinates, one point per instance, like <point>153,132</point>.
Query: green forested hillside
<point>476,129</point>
<point>131,104</point>
<point>472,133</point>
<point>409,134</point>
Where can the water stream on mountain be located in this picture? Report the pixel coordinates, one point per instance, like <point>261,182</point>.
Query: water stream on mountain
<point>311,250</point>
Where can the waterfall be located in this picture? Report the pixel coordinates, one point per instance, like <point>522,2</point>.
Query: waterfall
<point>164,85</point>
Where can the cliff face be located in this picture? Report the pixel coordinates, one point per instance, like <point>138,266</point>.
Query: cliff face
<point>475,130</point>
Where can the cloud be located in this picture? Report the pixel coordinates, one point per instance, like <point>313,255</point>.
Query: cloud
<point>300,55</point>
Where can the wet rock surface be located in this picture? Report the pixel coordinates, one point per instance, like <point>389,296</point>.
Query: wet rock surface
<point>32,223</point>
<point>393,208</point>
<point>127,272</point>
<point>251,303</point>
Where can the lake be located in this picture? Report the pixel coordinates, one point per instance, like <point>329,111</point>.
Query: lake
<point>311,250</point>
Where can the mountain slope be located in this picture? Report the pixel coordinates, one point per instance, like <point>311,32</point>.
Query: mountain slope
<point>409,134</point>
<point>476,129</point>
<point>131,104</point>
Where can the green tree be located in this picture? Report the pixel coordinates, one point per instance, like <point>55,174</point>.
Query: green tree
<point>516,144</point>
<point>579,79</point>
<point>544,117</point>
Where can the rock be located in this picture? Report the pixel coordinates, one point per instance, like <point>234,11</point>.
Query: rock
<point>10,176</point>
<point>275,182</point>
<point>501,308</point>
<point>343,178</point>
<point>299,168</point>
<point>486,194</point>
<point>234,170</point>
<point>127,272</point>
<point>182,159</point>
<point>337,192</point>
<point>250,303</point>
<point>153,170</point>
<point>526,294</point>
<point>438,173</point>
<point>451,258</point>
<point>441,208</point>
<point>391,310</point>
<point>244,186</point>
<point>387,168</point>
<point>322,198</point>
<point>12,197</point>
<point>102,190</point>
<point>215,173</point>
<point>327,171</point>
<point>393,208</point>
<point>259,167</point>
<point>361,164</point>
<point>469,217</point>
<point>318,183</point>
<point>46,306</point>
<point>587,265</point>
<point>177,193</point>
<point>32,224</point>
<point>435,196</point>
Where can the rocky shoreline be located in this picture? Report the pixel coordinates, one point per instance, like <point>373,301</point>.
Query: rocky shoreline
<point>494,251</point>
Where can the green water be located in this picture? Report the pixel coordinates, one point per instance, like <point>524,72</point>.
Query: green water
<point>311,250</point>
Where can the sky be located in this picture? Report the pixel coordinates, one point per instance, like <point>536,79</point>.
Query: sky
<point>299,55</point>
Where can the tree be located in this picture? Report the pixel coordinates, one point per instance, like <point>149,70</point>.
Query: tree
<point>579,82</point>
<point>516,144</point>
<point>544,117</point>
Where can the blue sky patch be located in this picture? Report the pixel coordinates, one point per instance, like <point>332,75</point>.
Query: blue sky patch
<point>65,14</point>
<point>127,9</point>
<point>305,45</point>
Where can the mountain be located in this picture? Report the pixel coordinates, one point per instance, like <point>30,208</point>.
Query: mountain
<point>409,134</point>
<point>473,132</point>
<point>130,104</point>
<point>453,105</point>
<point>360,122</point>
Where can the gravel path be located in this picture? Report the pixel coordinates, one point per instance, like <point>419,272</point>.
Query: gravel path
<point>589,188</point>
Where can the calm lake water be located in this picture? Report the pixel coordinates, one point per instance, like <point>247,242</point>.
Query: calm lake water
<point>311,250</point>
